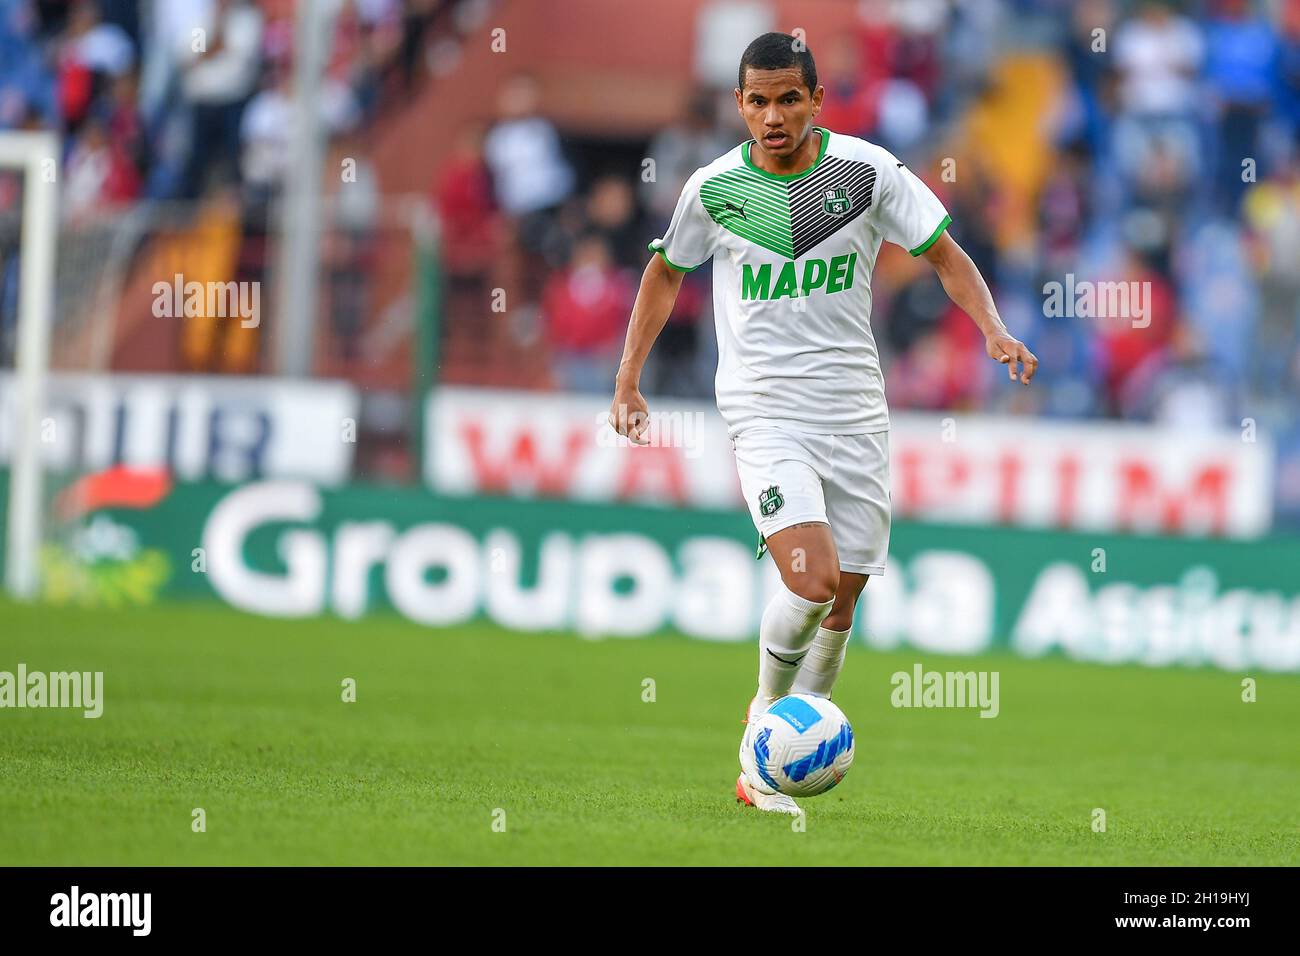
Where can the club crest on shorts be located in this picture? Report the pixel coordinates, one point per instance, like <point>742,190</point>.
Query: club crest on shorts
<point>836,201</point>
<point>770,501</point>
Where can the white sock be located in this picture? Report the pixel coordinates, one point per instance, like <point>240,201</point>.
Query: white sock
<point>822,665</point>
<point>788,626</point>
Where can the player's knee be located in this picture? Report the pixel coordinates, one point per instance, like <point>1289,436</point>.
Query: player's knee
<point>818,588</point>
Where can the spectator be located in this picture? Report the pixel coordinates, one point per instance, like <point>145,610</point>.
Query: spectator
<point>530,173</point>
<point>1220,296</point>
<point>1288,70</point>
<point>90,52</point>
<point>1272,212</point>
<point>218,79</point>
<point>1190,392</point>
<point>848,105</point>
<point>1240,69</point>
<point>101,47</point>
<point>1159,55</point>
<point>26,86</point>
<point>585,309</point>
<point>463,197</point>
<point>268,124</point>
<point>611,212</point>
<point>124,122</point>
<point>350,247</point>
<point>1064,211</point>
<point>1132,346</point>
<point>673,368</point>
<point>99,174</point>
<point>266,135</point>
<point>679,150</point>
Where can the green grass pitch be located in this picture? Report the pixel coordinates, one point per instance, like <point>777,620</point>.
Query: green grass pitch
<point>243,717</point>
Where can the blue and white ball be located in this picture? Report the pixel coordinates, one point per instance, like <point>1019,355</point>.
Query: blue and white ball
<point>800,746</point>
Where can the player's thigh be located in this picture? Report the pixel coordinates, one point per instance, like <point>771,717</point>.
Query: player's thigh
<point>779,479</point>
<point>858,502</point>
<point>783,491</point>
<point>805,555</point>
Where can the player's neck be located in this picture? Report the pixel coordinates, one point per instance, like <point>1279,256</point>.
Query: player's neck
<point>801,159</point>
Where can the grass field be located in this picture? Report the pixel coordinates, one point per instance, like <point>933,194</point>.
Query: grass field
<point>243,717</point>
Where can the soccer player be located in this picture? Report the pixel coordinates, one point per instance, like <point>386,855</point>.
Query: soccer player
<point>793,220</point>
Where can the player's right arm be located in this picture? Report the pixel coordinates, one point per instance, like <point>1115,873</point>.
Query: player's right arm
<point>691,239</point>
<point>660,283</point>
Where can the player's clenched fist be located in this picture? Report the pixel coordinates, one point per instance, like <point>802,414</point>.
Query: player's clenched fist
<point>629,415</point>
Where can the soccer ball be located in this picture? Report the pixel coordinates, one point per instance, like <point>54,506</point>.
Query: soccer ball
<point>800,746</point>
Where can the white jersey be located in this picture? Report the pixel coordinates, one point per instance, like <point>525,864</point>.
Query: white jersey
<point>792,261</point>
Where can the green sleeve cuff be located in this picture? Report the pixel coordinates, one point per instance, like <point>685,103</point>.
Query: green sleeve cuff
<point>934,236</point>
<point>672,265</point>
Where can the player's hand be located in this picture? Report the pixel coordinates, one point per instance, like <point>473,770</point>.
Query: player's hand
<point>629,414</point>
<point>1011,352</point>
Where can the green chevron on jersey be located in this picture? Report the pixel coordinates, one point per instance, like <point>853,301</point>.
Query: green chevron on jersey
<point>752,208</point>
<point>790,217</point>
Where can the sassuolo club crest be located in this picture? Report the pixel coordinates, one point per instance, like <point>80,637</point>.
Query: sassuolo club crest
<point>836,201</point>
<point>770,501</point>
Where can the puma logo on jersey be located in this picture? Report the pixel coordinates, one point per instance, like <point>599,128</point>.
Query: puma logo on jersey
<point>731,210</point>
<point>829,277</point>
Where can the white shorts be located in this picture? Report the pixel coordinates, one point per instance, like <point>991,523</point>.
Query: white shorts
<point>790,477</point>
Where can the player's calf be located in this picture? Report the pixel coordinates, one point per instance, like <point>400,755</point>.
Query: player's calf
<point>788,626</point>
<point>823,662</point>
<point>825,658</point>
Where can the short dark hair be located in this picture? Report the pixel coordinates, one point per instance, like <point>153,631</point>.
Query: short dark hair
<point>779,51</point>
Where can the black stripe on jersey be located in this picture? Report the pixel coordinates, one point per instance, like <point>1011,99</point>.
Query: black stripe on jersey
<point>810,224</point>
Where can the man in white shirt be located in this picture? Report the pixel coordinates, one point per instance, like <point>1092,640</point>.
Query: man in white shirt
<point>793,220</point>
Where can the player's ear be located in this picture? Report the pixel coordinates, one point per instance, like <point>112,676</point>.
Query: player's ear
<point>817,99</point>
<point>740,101</point>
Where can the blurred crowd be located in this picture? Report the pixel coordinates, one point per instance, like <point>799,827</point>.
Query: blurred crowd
<point>1155,142</point>
<point>1148,141</point>
<point>173,99</point>
<point>186,108</point>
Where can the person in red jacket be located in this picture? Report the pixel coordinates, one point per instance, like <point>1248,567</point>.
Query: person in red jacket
<point>584,309</point>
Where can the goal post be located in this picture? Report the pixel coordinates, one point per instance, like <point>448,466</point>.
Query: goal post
<point>36,156</point>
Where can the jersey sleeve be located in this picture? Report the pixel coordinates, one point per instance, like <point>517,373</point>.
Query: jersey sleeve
<point>909,214</point>
<point>692,235</point>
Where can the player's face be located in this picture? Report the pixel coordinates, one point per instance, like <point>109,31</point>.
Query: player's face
<point>778,109</point>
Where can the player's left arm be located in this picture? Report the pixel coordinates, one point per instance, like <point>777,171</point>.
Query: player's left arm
<point>967,289</point>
